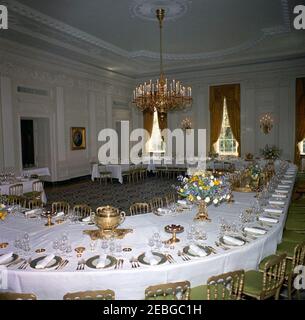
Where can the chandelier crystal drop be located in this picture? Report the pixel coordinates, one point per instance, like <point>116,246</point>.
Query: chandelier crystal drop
<point>163,95</point>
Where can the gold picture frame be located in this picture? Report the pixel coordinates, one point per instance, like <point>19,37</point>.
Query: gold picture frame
<point>78,138</point>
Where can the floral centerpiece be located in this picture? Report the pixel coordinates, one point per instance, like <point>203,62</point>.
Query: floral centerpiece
<point>270,152</point>
<point>204,189</point>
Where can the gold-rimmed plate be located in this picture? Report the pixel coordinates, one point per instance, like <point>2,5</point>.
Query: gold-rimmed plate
<point>161,258</point>
<point>189,252</point>
<point>53,263</point>
<point>230,244</point>
<point>11,259</point>
<point>92,262</point>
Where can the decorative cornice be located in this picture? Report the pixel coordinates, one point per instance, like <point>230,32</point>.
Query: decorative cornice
<point>77,37</point>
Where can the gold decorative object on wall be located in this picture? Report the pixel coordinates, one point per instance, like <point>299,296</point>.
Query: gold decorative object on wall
<point>266,123</point>
<point>78,138</point>
<point>186,124</point>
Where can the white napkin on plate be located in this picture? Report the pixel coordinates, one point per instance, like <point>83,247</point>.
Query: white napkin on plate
<point>87,219</point>
<point>183,202</point>
<point>277,202</point>
<point>283,186</point>
<point>233,241</point>
<point>34,211</point>
<point>288,175</point>
<point>255,230</point>
<point>101,262</point>
<point>45,261</point>
<point>281,191</point>
<point>5,257</point>
<point>273,210</point>
<point>59,214</point>
<point>286,181</point>
<point>267,219</point>
<point>198,251</point>
<point>151,258</point>
<point>279,195</point>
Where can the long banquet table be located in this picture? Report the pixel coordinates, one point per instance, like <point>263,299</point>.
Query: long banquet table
<point>130,283</point>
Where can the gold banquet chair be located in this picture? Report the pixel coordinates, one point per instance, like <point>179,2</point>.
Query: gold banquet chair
<point>91,295</point>
<point>17,296</point>
<point>139,208</point>
<point>170,199</point>
<point>169,291</point>
<point>34,204</point>
<point>226,286</point>
<point>298,259</point>
<point>156,203</point>
<point>16,189</point>
<point>37,189</point>
<point>104,174</point>
<point>16,201</point>
<point>60,206</point>
<point>266,284</point>
<point>82,210</point>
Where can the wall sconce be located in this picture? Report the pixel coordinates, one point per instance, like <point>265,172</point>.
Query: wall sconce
<point>186,124</point>
<point>266,123</point>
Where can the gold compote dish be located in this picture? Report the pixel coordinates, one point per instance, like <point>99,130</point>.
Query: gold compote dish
<point>49,214</point>
<point>174,229</point>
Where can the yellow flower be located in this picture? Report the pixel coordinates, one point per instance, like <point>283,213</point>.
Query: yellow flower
<point>3,215</point>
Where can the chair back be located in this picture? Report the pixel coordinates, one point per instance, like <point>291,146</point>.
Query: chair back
<point>299,255</point>
<point>16,189</point>
<point>82,210</point>
<point>37,186</point>
<point>170,199</point>
<point>274,276</point>
<point>61,206</point>
<point>17,296</point>
<point>91,295</point>
<point>156,203</point>
<point>139,208</point>
<point>226,286</point>
<point>169,291</point>
<point>34,204</point>
<point>16,201</point>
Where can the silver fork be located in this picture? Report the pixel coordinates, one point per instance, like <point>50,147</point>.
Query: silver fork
<point>132,263</point>
<point>80,265</point>
<point>62,264</point>
<point>26,264</point>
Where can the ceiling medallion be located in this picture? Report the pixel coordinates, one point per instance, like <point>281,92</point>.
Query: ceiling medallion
<point>146,9</point>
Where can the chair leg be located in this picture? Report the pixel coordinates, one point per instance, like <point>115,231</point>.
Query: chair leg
<point>289,287</point>
<point>277,295</point>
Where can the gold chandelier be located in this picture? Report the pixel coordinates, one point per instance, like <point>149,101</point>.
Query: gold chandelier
<point>162,95</point>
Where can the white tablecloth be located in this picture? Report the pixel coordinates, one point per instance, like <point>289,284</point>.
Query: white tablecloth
<point>130,283</point>
<point>27,187</point>
<point>38,171</point>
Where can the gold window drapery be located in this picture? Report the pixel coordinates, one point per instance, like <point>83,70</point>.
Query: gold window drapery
<point>299,117</point>
<point>217,94</point>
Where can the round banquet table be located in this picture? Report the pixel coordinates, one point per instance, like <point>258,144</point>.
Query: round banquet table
<point>130,283</point>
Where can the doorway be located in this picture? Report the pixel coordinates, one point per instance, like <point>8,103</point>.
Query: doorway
<point>27,143</point>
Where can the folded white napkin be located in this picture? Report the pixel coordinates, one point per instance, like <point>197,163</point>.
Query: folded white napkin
<point>281,191</point>
<point>273,210</point>
<point>59,214</point>
<point>198,251</point>
<point>163,210</point>
<point>87,219</point>
<point>288,175</point>
<point>274,195</point>
<point>255,230</point>
<point>267,219</point>
<point>277,202</point>
<point>34,211</point>
<point>45,261</point>
<point>283,186</point>
<point>5,257</point>
<point>151,258</point>
<point>233,241</point>
<point>286,181</point>
<point>183,202</point>
<point>101,262</point>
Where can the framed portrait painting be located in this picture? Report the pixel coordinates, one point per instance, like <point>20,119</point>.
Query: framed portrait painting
<point>78,138</point>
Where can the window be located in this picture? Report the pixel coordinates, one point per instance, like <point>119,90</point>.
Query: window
<point>226,144</point>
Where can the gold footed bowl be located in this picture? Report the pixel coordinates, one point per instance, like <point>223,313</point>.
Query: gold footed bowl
<point>202,214</point>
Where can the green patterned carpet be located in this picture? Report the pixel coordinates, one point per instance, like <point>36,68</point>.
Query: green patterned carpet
<point>116,194</point>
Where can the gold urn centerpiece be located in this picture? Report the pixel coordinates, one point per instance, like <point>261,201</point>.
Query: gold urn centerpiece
<point>108,218</point>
